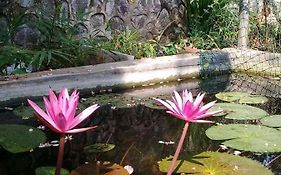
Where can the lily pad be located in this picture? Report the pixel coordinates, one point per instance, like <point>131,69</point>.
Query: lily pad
<point>247,137</point>
<point>272,121</point>
<point>27,112</point>
<point>216,163</point>
<point>48,170</point>
<point>99,148</point>
<point>241,97</point>
<point>20,138</point>
<point>239,111</point>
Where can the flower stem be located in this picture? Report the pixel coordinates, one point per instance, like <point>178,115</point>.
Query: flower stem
<point>175,157</point>
<point>60,155</point>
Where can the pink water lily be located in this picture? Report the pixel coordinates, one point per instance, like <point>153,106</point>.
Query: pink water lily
<point>189,110</point>
<point>185,108</point>
<point>60,116</point>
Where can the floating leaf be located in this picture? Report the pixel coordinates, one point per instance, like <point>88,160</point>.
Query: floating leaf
<point>241,97</point>
<point>100,168</point>
<point>247,137</point>
<point>49,171</point>
<point>272,121</point>
<point>20,138</point>
<point>99,147</point>
<point>216,163</point>
<point>239,111</point>
<point>26,112</point>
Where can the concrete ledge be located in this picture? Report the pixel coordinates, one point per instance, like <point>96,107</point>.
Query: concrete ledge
<point>134,73</point>
<point>118,75</point>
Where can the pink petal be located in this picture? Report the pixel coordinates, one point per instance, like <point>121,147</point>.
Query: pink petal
<point>50,111</point>
<point>62,123</point>
<point>185,97</point>
<point>209,114</point>
<point>74,94</point>
<point>73,131</point>
<point>176,115</point>
<point>43,121</point>
<point>207,106</point>
<point>63,100</point>
<point>165,104</point>
<point>174,106</point>
<point>190,97</point>
<point>83,115</point>
<point>54,102</point>
<point>188,108</point>
<point>48,107</point>
<point>178,101</point>
<point>202,121</point>
<point>72,106</point>
<point>198,100</point>
<point>42,114</point>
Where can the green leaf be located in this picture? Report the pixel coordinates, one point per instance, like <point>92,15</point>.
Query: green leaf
<point>216,163</point>
<point>27,112</point>
<point>20,138</point>
<point>247,137</point>
<point>239,111</point>
<point>48,170</point>
<point>272,121</point>
<point>99,148</point>
<point>241,97</point>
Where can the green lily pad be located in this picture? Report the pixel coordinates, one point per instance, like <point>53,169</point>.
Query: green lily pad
<point>216,163</point>
<point>241,97</point>
<point>48,170</point>
<point>27,112</point>
<point>99,147</point>
<point>247,137</point>
<point>20,138</point>
<point>272,121</point>
<point>239,111</point>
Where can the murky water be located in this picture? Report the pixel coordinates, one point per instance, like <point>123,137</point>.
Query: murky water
<point>142,135</point>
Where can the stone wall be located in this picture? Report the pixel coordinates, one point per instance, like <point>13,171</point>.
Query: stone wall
<point>103,17</point>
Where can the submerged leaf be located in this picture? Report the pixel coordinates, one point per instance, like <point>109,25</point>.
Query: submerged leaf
<point>20,138</point>
<point>247,137</point>
<point>239,111</point>
<point>100,168</point>
<point>216,163</point>
<point>241,97</point>
<point>99,147</point>
<point>114,100</point>
<point>48,170</point>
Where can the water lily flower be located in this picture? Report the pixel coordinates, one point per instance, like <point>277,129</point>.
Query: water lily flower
<point>186,108</point>
<point>60,116</point>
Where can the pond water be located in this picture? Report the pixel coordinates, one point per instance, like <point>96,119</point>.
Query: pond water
<point>142,134</point>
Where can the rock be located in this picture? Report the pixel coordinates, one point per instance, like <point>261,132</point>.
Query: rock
<point>26,36</point>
